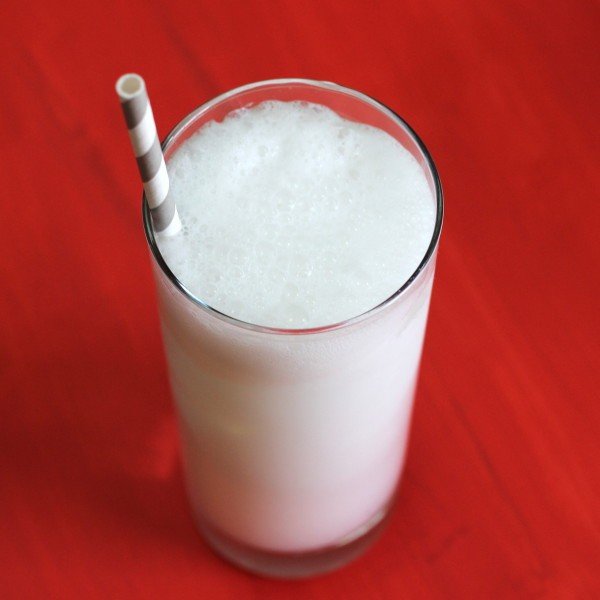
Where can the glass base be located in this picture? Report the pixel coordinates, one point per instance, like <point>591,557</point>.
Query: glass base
<point>296,565</point>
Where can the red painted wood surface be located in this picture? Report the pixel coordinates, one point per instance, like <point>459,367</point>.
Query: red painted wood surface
<point>501,497</point>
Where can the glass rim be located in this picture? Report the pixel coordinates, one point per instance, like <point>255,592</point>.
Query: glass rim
<point>326,85</point>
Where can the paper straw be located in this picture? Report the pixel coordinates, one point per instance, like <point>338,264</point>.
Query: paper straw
<point>137,111</point>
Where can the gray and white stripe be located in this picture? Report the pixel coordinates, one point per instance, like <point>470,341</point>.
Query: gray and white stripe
<point>137,111</point>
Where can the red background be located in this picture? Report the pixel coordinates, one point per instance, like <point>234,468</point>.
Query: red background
<point>501,493</point>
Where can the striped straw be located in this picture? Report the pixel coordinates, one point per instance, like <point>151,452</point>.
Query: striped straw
<point>131,90</point>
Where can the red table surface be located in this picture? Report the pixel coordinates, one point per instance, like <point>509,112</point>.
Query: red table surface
<point>501,493</point>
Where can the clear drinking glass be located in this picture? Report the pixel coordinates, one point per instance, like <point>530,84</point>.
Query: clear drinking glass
<point>293,441</point>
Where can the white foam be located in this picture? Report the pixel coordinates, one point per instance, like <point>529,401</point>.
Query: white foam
<point>295,217</point>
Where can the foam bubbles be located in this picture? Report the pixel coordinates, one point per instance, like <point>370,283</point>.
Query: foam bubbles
<point>294,217</point>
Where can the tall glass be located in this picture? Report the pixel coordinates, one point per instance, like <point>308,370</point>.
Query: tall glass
<point>293,441</point>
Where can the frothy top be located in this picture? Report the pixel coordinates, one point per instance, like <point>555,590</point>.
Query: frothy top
<point>294,217</point>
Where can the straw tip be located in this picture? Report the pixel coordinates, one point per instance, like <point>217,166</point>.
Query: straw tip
<point>129,86</point>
